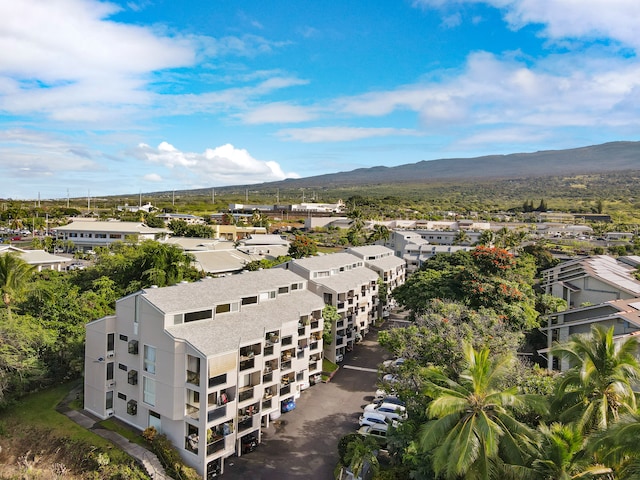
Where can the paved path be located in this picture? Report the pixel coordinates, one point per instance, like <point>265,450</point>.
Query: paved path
<point>147,459</point>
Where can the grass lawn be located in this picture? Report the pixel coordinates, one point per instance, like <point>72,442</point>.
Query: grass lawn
<point>37,412</point>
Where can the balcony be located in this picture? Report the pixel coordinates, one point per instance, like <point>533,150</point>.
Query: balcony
<point>219,412</point>
<point>193,377</point>
<point>216,445</point>
<point>286,365</point>
<point>192,411</point>
<point>245,393</point>
<point>268,350</point>
<point>267,378</point>
<point>285,389</point>
<point>313,366</point>
<point>267,404</point>
<point>191,443</point>
<point>313,346</point>
<point>302,331</point>
<point>245,424</point>
<point>247,363</point>
<point>315,325</point>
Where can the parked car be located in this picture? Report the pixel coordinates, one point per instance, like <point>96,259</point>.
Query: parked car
<point>377,419</point>
<point>375,432</point>
<point>388,364</point>
<point>390,378</point>
<point>388,399</point>
<point>389,410</point>
<point>339,358</point>
<point>287,405</point>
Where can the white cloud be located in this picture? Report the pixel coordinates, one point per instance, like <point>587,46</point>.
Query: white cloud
<point>152,177</point>
<point>340,134</point>
<point>224,165</point>
<point>278,112</point>
<point>24,152</point>
<point>588,89</point>
<point>610,19</point>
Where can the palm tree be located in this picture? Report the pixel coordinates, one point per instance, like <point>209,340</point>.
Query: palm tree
<point>380,232</point>
<point>562,455</point>
<point>461,237</point>
<point>597,387</point>
<point>487,238</point>
<point>474,430</point>
<point>15,274</point>
<point>361,453</point>
<point>618,446</point>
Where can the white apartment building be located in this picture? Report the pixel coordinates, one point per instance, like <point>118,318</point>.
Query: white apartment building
<point>414,249</point>
<point>391,269</point>
<point>342,280</point>
<point>206,363</point>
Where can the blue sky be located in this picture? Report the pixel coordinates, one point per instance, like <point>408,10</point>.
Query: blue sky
<point>147,95</point>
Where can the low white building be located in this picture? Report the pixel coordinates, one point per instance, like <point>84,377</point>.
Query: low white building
<point>87,234</point>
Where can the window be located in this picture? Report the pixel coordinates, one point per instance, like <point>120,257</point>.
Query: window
<point>111,340</point>
<point>122,396</point>
<point>149,390</point>
<point>122,366</point>
<point>201,315</point>
<point>223,308</point>
<point>110,371</point>
<point>149,359</point>
<point>115,235</point>
<point>249,300</point>
<point>132,407</point>
<point>295,286</point>
<point>109,401</point>
<point>282,290</point>
<point>124,338</point>
<point>132,377</point>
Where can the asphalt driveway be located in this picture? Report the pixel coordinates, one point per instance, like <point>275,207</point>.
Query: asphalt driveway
<point>303,443</point>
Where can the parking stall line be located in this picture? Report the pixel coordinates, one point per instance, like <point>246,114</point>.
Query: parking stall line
<point>362,369</point>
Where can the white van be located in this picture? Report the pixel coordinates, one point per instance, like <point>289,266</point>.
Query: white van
<point>374,432</point>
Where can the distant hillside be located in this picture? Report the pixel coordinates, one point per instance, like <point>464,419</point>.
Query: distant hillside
<point>598,159</point>
<point>605,158</point>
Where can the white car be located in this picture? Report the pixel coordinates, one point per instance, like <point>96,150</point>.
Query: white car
<point>389,410</point>
<point>387,364</point>
<point>374,432</point>
<point>376,419</point>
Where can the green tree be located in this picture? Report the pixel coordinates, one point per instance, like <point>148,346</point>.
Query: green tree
<point>597,388</point>
<point>461,238</point>
<point>330,316</point>
<point>380,232</point>
<point>362,453</point>
<point>152,220</point>
<point>474,429</point>
<point>15,274</point>
<point>178,227</point>
<point>302,246</point>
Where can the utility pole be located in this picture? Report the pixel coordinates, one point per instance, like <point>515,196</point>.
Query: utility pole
<point>213,195</point>
<point>88,201</point>
<point>246,196</point>
<point>173,199</point>
<point>67,198</point>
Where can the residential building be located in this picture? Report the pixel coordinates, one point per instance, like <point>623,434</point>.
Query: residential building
<point>185,217</point>
<point>87,233</point>
<point>206,363</point>
<point>622,315</point>
<point>593,280</point>
<point>410,246</point>
<point>41,259</point>
<point>390,269</point>
<point>343,281</point>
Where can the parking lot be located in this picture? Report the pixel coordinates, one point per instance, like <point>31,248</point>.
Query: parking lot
<point>303,443</point>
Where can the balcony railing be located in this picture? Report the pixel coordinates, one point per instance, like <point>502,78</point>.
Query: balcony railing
<point>266,404</point>
<point>286,365</point>
<point>315,324</point>
<point>247,364</point>
<point>193,377</point>
<point>192,411</point>
<point>245,393</point>
<point>245,424</point>
<point>267,378</point>
<point>215,445</point>
<point>285,389</point>
<point>313,346</point>
<point>219,412</point>
<point>268,350</point>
